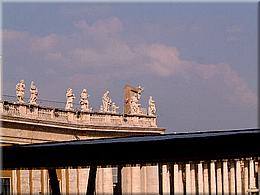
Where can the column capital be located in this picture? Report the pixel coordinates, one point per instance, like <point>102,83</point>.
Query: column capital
<point>187,164</point>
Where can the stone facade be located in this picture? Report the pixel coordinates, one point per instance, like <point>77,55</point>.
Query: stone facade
<point>24,123</point>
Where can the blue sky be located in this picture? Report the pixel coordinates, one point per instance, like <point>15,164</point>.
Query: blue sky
<point>198,60</point>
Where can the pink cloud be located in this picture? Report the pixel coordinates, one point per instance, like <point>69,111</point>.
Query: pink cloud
<point>162,59</point>
<point>46,43</point>
<point>229,78</point>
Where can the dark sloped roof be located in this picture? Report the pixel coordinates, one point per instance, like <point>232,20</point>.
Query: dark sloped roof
<point>207,145</point>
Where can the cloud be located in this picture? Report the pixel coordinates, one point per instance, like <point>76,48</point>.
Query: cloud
<point>99,47</point>
<point>230,79</point>
<point>108,26</point>
<point>161,59</point>
<point>46,43</point>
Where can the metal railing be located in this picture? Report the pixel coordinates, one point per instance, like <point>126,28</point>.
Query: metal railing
<point>41,102</point>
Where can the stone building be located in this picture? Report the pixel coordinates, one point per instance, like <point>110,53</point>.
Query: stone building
<point>24,123</point>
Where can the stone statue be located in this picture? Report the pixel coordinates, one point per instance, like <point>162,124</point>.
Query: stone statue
<point>84,101</point>
<point>70,97</point>
<point>151,109</point>
<point>114,108</point>
<point>135,106</point>
<point>140,90</point>
<point>34,94</point>
<point>20,89</point>
<point>106,102</point>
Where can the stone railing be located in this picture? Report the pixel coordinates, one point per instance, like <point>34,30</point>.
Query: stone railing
<point>75,117</point>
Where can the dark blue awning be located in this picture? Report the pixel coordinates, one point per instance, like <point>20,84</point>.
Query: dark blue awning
<point>178,147</point>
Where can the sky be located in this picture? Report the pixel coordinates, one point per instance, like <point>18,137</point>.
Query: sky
<point>197,60</point>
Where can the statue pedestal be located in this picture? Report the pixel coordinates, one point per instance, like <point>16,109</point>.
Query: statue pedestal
<point>70,116</point>
<point>86,117</point>
<point>22,109</point>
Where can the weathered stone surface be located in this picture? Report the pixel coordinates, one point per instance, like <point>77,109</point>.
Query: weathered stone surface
<point>20,90</point>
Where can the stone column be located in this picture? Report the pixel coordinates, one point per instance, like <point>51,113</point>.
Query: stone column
<point>63,181</point>
<point>193,179</point>
<point>252,175</point>
<point>258,173</point>
<point>219,178</point>
<point>36,181</point>
<point>136,180</point>
<point>176,179</point>
<point>108,180</point>
<point>14,182</point>
<point>206,178</point>
<point>166,179</point>
<point>44,181</point>
<point>200,178</point>
<point>99,181</point>
<point>152,180</point>
<point>188,178</point>
<point>25,181</point>
<point>232,178</point>
<point>83,180</point>
<point>238,177</point>
<point>180,180</point>
<point>246,182</point>
<point>225,177</point>
<point>126,180</point>
<point>143,180</point>
<point>72,181</point>
<point>212,178</point>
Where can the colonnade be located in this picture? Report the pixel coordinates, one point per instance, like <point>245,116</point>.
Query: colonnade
<point>237,176</point>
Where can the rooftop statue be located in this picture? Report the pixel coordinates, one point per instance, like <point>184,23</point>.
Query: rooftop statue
<point>20,89</point>
<point>152,108</point>
<point>84,101</point>
<point>140,90</point>
<point>106,102</point>
<point>70,97</point>
<point>114,108</point>
<point>34,94</point>
<point>135,106</point>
